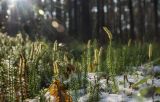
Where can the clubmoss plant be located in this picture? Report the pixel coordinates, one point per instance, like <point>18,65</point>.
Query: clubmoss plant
<point>27,67</point>
<point>110,60</point>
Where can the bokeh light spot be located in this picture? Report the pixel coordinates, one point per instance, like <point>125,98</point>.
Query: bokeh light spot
<point>41,12</point>
<point>55,24</point>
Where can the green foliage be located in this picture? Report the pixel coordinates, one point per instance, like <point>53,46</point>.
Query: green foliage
<point>144,80</point>
<point>150,91</point>
<point>26,67</point>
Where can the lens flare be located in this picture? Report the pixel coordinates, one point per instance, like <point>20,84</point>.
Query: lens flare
<point>55,24</point>
<point>41,12</point>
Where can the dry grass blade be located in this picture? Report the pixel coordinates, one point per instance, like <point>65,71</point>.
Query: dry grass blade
<point>108,32</point>
<point>150,51</point>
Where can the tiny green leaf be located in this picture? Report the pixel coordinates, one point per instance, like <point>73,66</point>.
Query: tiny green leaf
<point>141,81</point>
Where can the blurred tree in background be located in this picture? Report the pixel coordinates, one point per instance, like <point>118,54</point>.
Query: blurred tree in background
<point>82,20</point>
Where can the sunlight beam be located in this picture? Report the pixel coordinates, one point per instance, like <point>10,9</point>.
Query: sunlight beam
<point>13,1</point>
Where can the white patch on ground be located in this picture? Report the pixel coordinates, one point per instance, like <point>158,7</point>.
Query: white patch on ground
<point>31,100</point>
<point>125,94</point>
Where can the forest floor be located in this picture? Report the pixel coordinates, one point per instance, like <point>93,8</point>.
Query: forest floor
<point>41,71</point>
<point>139,87</point>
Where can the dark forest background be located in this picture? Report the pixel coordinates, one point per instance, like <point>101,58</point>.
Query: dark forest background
<point>81,20</point>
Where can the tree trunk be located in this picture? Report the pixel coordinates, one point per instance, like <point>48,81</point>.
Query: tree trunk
<point>70,16</point>
<point>86,21</point>
<point>141,19</point>
<point>75,17</point>
<point>59,11</point>
<point>132,33</point>
<point>155,2</point>
<point>120,22</point>
<point>100,20</point>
